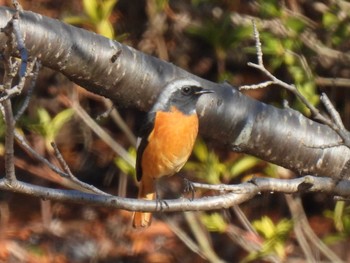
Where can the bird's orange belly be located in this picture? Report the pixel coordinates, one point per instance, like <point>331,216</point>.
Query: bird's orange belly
<point>170,144</point>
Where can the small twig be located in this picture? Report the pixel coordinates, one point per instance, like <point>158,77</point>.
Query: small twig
<point>259,52</point>
<point>201,237</point>
<point>15,43</point>
<point>10,173</point>
<point>17,5</point>
<point>182,235</point>
<point>333,82</point>
<point>34,75</point>
<point>100,132</point>
<point>305,231</point>
<point>120,122</point>
<point>23,142</point>
<point>244,220</point>
<point>332,111</point>
<point>17,89</point>
<point>11,29</point>
<point>300,236</point>
<point>61,160</point>
<point>333,124</point>
<point>257,86</point>
<point>20,45</point>
<point>83,186</point>
<point>106,113</point>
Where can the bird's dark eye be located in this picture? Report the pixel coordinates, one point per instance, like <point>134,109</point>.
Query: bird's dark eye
<point>187,90</point>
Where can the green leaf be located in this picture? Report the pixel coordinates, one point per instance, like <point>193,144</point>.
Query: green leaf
<point>107,8</point>
<point>77,20</point>
<point>60,119</point>
<point>274,235</point>
<point>44,116</point>
<point>339,215</point>
<point>330,20</point>
<point>161,4</point>
<point>124,166</point>
<point>214,222</point>
<point>200,150</point>
<point>105,28</point>
<point>270,9</point>
<point>91,9</point>
<point>243,164</point>
<point>295,23</point>
<point>264,226</point>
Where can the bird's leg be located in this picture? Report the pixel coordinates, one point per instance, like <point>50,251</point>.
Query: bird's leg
<point>189,187</point>
<point>159,201</point>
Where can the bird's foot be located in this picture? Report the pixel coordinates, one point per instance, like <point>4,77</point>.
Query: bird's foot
<point>189,187</point>
<point>160,203</point>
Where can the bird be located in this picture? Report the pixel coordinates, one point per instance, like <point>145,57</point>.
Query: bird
<point>166,139</point>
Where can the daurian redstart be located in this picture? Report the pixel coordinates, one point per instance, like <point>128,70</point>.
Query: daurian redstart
<point>167,138</point>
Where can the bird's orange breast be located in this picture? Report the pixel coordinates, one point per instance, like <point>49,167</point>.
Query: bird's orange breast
<point>169,144</point>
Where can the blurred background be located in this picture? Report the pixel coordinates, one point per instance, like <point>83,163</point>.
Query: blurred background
<point>305,43</point>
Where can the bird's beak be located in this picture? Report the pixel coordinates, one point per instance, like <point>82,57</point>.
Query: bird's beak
<point>204,91</point>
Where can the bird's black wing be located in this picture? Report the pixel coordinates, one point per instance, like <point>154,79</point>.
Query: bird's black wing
<point>144,133</point>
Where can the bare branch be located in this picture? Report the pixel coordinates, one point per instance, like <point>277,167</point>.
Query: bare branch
<point>33,77</point>
<point>9,140</point>
<point>81,185</point>
<point>332,111</point>
<point>305,234</point>
<point>308,37</point>
<point>343,134</point>
<point>247,191</point>
<point>334,82</point>
<point>24,143</point>
<point>13,33</point>
<point>117,148</point>
<point>306,183</point>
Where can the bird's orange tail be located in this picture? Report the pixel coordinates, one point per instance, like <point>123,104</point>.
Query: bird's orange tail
<point>146,192</point>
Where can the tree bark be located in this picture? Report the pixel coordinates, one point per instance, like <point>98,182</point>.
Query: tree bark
<point>134,80</point>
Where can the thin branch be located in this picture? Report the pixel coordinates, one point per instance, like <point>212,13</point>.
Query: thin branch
<point>333,82</point>
<point>117,148</point>
<point>308,37</point>
<point>332,111</point>
<point>257,86</point>
<point>82,186</point>
<point>130,204</point>
<point>15,42</point>
<point>13,33</point>
<point>182,235</point>
<point>305,231</point>
<point>10,173</point>
<point>297,226</point>
<point>244,220</point>
<point>114,113</point>
<point>225,200</point>
<point>343,134</point>
<point>33,77</point>
<point>24,143</point>
<point>201,237</point>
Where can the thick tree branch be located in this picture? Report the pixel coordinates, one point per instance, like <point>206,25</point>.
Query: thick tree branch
<point>133,79</point>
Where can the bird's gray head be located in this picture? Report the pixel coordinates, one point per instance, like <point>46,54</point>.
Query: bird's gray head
<point>182,94</point>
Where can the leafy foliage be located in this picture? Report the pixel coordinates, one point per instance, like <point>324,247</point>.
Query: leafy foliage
<point>97,16</point>
<point>214,222</point>
<point>275,236</point>
<point>49,127</point>
<point>124,166</point>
